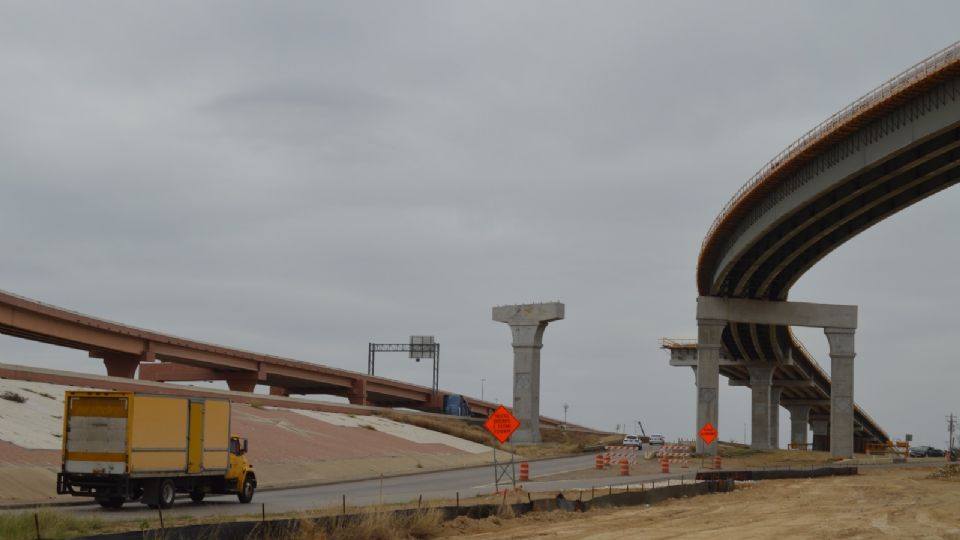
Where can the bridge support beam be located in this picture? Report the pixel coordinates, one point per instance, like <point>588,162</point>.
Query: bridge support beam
<point>709,333</point>
<point>799,417</point>
<point>527,324</point>
<point>841,391</point>
<point>839,323</point>
<point>760,378</point>
<point>121,365</point>
<point>241,384</point>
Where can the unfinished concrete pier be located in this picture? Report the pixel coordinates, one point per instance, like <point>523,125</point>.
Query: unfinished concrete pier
<point>527,323</point>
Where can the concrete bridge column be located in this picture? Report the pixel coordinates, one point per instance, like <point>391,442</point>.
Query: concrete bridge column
<point>357,395</point>
<point>799,416</point>
<point>241,384</point>
<point>760,379</point>
<point>121,365</point>
<point>709,332</point>
<point>775,393</point>
<point>841,391</point>
<point>820,425</point>
<point>527,324</point>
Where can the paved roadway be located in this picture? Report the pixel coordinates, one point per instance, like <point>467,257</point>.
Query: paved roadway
<point>433,486</point>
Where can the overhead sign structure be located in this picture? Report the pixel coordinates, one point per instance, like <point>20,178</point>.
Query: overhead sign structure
<point>501,424</point>
<point>708,433</point>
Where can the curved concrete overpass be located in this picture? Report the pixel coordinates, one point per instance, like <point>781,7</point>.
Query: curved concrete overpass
<point>888,150</point>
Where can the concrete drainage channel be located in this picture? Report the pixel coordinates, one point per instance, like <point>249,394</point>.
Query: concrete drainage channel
<point>776,474</point>
<point>277,528</point>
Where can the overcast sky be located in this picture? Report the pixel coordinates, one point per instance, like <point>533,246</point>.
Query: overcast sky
<point>303,178</point>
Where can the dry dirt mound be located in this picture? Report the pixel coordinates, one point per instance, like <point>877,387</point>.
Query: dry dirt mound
<point>947,472</point>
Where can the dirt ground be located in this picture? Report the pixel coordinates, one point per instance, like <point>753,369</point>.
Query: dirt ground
<point>878,503</point>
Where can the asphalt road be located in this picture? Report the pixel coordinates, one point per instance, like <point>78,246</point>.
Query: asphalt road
<point>439,485</point>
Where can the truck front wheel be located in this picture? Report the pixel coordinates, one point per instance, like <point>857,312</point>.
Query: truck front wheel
<point>167,493</point>
<point>246,493</point>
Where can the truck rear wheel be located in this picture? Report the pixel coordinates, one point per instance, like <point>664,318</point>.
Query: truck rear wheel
<point>197,494</point>
<point>246,493</point>
<point>167,493</point>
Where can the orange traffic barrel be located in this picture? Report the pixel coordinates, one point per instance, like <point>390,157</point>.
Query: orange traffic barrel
<point>624,468</point>
<point>716,462</point>
<point>524,472</point>
<point>599,461</point>
<point>665,465</point>
<point>606,459</point>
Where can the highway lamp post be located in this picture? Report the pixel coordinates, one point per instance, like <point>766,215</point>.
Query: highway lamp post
<point>565,407</point>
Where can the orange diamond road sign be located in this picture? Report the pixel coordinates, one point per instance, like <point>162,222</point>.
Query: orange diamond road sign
<point>501,424</point>
<point>708,433</point>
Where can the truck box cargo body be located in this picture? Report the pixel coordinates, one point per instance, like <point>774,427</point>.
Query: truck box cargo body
<point>120,446</point>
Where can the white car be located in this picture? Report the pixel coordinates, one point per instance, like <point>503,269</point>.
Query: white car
<point>631,440</point>
<point>656,440</point>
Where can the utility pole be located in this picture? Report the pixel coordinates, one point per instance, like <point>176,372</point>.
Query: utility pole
<point>951,427</point>
<point>565,407</point>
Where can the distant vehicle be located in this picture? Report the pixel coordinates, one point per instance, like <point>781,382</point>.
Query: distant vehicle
<point>925,451</point>
<point>455,405</point>
<point>121,447</point>
<point>656,439</point>
<point>631,440</point>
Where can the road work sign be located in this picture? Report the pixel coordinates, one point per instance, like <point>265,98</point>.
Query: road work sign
<point>501,424</point>
<point>708,433</point>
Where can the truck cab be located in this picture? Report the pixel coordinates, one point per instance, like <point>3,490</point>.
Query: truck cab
<point>240,470</point>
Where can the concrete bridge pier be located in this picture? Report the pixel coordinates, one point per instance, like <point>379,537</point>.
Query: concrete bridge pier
<point>839,323</point>
<point>761,401</point>
<point>841,390</point>
<point>799,417</point>
<point>775,393</point>
<point>820,425</point>
<point>709,332</point>
<point>527,324</point>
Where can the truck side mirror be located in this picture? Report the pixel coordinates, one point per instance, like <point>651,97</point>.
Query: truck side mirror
<point>244,450</point>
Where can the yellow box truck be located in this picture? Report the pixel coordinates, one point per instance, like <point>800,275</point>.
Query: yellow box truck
<point>125,446</point>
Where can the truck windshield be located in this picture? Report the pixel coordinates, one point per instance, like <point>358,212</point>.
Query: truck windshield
<point>235,446</point>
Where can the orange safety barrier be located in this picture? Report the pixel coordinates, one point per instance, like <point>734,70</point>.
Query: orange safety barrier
<point>716,462</point>
<point>624,468</point>
<point>599,461</point>
<point>664,465</point>
<point>677,454</point>
<point>524,472</point>
<point>606,460</point>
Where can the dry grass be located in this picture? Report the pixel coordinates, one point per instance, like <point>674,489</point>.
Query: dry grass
<point>556,442</point>
<point>378,525</point>
<point>53,525</point>
<point>12,396</point>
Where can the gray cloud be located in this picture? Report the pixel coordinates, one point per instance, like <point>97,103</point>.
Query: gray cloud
<point>303,179</point>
